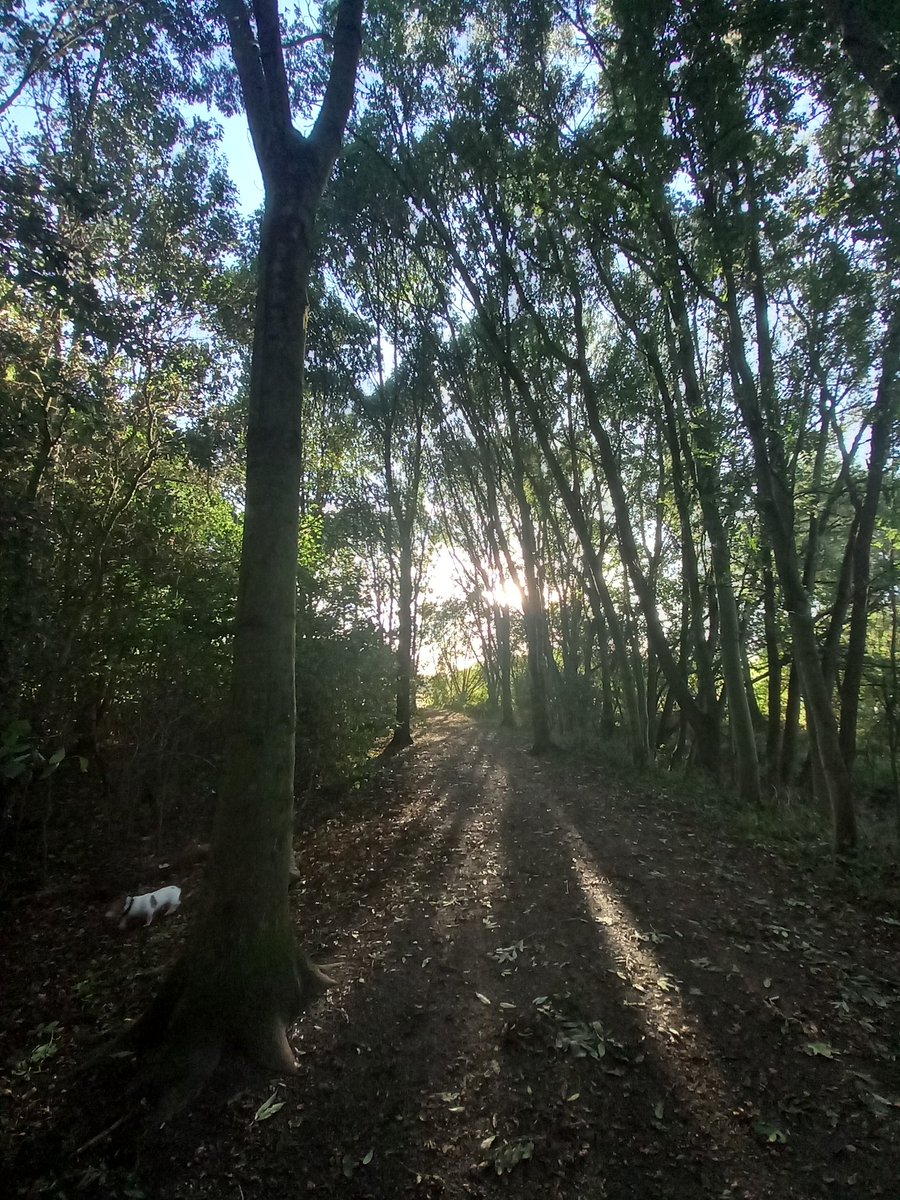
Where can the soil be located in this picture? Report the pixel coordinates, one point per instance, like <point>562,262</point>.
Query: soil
<point>549,984</point>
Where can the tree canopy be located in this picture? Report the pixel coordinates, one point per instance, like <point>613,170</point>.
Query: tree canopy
<point>566,391</point>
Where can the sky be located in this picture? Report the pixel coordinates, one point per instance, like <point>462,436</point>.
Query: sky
<point>242,164</point>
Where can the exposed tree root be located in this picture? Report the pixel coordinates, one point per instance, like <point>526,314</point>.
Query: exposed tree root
<point>400,741</point>
<point>196,1020</point>
<point>106,1133</point>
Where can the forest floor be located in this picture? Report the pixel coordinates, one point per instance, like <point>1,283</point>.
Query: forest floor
<point>549,985</point>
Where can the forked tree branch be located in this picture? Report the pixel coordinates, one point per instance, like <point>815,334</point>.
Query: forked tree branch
<point>259,59</point>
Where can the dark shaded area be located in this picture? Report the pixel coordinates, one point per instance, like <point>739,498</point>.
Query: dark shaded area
<point>709,1023</point>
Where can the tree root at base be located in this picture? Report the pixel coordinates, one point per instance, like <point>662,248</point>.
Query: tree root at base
<point>181,1038</point>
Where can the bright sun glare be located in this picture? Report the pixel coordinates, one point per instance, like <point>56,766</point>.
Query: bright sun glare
<point>446,582</point>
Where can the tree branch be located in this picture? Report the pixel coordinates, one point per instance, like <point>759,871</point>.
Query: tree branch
<point>271,58</point>
<point>329,127</point>
<point>250,73</point>
<point>867,49</point>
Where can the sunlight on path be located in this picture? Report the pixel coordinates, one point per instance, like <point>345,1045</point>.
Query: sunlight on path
<point>657,1003</point>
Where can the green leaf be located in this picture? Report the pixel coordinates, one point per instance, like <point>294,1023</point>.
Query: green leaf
<point>367,1158</point>
<point>15,731</point>
<point>770,1133</point>
<point>820,1049</point>
<point>510,1154</point>
<point>268,1108</point>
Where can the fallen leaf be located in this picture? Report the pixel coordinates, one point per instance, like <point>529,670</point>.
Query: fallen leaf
<point>770,1133</point>
<point>268,1108</point>
<point>820,1050</point>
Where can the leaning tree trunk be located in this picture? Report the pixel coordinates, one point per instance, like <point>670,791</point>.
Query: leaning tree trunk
<point>776,507</point>
<point>241,979</point>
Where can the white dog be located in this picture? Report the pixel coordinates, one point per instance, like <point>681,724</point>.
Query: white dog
<point>136,909</point>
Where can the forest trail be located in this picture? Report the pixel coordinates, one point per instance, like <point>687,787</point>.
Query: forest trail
<point>549,986</point>
<point>711,1026</point>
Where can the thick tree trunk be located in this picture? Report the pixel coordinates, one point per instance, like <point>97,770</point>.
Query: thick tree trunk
<point>241,981</point>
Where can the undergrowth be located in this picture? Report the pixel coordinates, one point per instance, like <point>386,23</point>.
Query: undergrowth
<point>787,823</point>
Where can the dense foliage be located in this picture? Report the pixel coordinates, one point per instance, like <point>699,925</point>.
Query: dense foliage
<point>606,302</point>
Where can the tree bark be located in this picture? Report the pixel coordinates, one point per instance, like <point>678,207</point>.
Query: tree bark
<point>884,422</point>
<point>402,726</point>
<point>241,980</point>
<point>773,674</point>
<point>777,511</point>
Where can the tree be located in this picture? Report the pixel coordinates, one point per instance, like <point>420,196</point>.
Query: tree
<point>868,48</point>
<point>241,979</point>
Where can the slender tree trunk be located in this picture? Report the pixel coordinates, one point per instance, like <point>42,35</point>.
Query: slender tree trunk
<point>743,738</point>
<point>884,425</point>
<point>773,667</point>
<point>791,735</point>
<point>777,513</point>
<point>502,624</point>
<point>402,728</point>
<point>533,613</point>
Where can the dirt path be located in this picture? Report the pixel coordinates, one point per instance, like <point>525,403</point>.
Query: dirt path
<point>548,987</point>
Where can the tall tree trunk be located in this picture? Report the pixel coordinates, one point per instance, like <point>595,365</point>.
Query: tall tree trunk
<point>535,637</point>
<point>502,625</point>
<point>773,674</point>
<point>241,979</point>
<point>402,727</point>
<point>777,512</point>
<point>787,761</point>
<point>709,494</point>
<point>884,423</point>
